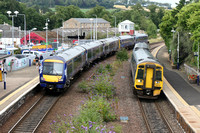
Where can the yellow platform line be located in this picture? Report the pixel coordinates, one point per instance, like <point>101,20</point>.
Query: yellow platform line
<point>12,94</point>
<point>195,110</point>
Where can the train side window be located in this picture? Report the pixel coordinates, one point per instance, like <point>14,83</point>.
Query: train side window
<point>140,74</point>
<point>69,68</point>
<point>158,75</point>
<point>89,54</point>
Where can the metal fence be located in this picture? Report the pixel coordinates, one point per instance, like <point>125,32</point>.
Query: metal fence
<point>189,70</point>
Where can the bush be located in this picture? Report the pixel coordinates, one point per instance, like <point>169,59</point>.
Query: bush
<point>102,86</point>
<point>122,55</point>
<point>93,113</point>
<point>105,70</point>
<point>84,86</point>
<point>102,106</point>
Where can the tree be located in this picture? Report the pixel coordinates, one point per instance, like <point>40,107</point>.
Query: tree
<point>100,11</point>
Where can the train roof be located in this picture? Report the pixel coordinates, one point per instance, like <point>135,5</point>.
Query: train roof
<point>55,57</point>
<point>140,35</point>
<point>126,36</point>
<point>108,40</point>
<point>91,45</point>
<point>71,52</point>
<point>142,54</point>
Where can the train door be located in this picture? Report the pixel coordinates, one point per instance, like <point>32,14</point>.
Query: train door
<point>149,79</point>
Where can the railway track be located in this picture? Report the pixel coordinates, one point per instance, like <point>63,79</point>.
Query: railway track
<point>31,120</point>
<point>34,116</point>
<point>154,117</point>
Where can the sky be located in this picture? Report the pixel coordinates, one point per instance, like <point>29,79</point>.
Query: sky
<point>172,2</point>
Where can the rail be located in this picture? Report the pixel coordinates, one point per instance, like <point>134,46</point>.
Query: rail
<point>153,116</point>
<point>35,115</point>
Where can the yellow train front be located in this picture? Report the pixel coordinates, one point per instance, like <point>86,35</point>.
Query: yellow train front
<point>53,74</point>
<point>147,72</point>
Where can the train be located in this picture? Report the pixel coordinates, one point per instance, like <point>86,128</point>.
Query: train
<point>146,71</point>
<point>57,72</point>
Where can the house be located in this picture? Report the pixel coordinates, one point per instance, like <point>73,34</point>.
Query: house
<point>126,27</point>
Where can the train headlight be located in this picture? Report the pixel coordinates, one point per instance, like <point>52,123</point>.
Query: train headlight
<point>139,80</point>
<point>42,78</point>
<point>157,82</point>
<point>60,80</point>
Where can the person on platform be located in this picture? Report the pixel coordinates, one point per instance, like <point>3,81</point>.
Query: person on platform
<point>41,59</point>
<point>36,60</point>
<point>11,64</point>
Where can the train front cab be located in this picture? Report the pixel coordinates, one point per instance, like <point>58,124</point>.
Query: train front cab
<point>148,81</point>
<point>52,75</point>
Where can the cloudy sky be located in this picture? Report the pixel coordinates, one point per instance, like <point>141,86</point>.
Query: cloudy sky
<point>172,2</point>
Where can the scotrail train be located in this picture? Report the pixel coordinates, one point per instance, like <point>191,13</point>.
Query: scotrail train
<point>147,72</point>
<point>57,71</point>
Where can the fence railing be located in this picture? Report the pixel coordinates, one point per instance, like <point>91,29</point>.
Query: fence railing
<point>189,70</point>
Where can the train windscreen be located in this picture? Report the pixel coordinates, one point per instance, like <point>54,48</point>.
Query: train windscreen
<point>53,68</point>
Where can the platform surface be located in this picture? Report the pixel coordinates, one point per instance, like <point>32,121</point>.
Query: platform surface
<point>17,84</point>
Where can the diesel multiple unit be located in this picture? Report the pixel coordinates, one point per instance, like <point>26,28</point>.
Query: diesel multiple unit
<point>147,72</point>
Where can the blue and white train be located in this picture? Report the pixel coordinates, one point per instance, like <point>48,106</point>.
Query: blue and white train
<point>57,71</point>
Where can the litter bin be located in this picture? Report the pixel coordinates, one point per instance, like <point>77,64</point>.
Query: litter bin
<point>0,74</point>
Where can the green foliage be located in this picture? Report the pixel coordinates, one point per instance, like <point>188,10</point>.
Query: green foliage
<point>84,86</point>
<point>122,55</point>
<point>105,70</point>
<point>102,85</point>
<point>102,106</point>
<point>184,19</point>
<point>91,116</point>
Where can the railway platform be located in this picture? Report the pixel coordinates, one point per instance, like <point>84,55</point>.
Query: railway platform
<point>18,85</point>
<point>184,97</point>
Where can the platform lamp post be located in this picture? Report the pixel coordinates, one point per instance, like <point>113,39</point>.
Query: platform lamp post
<point>46,24</point>
<point>177,49</point>
<point>9,14</point>
<point>24,28</point>
<point>30,36</point>
<point>96,26</point>
<point>198,65</point>
<point>115,25</point>
<point>91,27</point>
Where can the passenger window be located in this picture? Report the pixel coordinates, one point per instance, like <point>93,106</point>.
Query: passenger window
<point>158,75</point>
<point>140,74</point>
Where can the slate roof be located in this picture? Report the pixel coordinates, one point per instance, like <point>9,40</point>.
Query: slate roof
<point>51,34</point>
<point>5,27</point>
<point>87,20</point>
<point>8,34</point>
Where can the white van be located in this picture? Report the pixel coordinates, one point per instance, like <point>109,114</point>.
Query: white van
<point>32,54</point>
<point>27,52</point>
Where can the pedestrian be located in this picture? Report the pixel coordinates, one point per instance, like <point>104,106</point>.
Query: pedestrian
<point>41,59</point>
<point>36,60</point>
<point>11,64</point>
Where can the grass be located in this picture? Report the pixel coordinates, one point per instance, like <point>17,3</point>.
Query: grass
<point>158,39</point>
